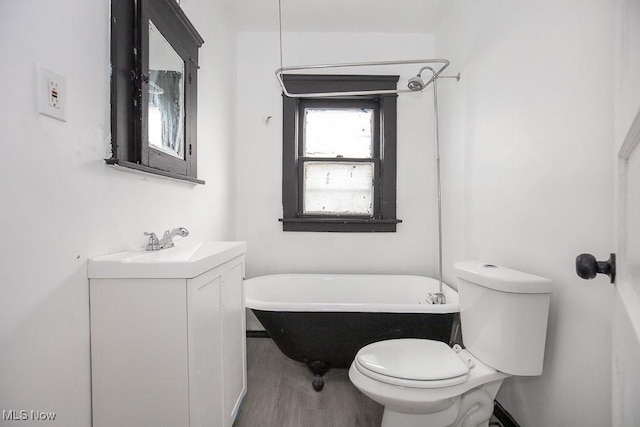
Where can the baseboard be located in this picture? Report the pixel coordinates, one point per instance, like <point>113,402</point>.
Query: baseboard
<point>503,416</point>
<point>258,334</point>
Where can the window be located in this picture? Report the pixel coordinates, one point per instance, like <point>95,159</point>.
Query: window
<point>339,155</point>
<point>154,63</point>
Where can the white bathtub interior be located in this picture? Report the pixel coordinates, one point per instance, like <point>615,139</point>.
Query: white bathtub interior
<point>344,292</point>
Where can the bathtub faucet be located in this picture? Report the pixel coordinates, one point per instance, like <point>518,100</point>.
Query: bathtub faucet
<point>156,244</point>
<point>436,298</point>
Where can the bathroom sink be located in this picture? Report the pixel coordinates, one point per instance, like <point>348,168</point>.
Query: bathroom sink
<point>185,260</point>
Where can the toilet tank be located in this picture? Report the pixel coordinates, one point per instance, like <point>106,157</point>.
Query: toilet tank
<point>504,315</point>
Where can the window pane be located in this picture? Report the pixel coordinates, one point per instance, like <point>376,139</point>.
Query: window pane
<point>338,188</point>
<point>344,132</point>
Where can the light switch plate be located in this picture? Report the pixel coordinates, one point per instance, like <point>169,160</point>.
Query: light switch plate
<point>51,93</point>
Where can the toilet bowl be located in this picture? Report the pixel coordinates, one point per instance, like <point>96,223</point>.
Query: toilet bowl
<point>433,396</point>
<point>425,383</point>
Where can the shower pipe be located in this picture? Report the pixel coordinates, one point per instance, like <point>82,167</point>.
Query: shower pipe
<point>417,83</point>
<point>444,63</point>
<point>436,297</point>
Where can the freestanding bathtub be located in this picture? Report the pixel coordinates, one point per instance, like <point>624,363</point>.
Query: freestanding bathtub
<point>324,319</point>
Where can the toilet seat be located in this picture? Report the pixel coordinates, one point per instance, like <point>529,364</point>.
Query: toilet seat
<point>408,362</point>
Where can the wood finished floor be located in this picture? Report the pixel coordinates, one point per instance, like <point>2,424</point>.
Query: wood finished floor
<point>279,394</point>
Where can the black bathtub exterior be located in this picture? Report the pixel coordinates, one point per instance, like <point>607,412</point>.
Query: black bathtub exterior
<point>325,340</point>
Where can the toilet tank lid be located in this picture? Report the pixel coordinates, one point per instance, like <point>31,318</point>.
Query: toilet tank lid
<point>501,278</point>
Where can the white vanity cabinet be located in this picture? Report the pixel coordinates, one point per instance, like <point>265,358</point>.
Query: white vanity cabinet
<point>168,351</point>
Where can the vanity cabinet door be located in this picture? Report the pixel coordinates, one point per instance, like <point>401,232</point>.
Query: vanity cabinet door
<point>139,353</point>
<point>205,343</point>
<point>234,339</point>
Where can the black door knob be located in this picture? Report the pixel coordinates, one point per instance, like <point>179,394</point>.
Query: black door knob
<point>587,267</point>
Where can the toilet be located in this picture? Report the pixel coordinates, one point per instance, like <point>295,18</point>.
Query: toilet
<point>425,383</point>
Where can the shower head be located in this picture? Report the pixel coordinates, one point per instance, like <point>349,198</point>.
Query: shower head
<point>415,83</point>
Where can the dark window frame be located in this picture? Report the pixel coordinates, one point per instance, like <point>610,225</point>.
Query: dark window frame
<point>129,85</point>
<point>384,217</point>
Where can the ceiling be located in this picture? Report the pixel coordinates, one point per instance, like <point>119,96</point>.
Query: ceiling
<point>375,16</point>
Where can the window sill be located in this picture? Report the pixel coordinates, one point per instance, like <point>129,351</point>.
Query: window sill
<point>142,168</point>
<point>350,225</point>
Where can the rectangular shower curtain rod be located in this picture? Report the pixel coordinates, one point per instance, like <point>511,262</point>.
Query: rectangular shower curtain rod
<point>442,63</point>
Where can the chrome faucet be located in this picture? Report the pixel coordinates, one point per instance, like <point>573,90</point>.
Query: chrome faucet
<point>156,244</point>
<point>167,238</point>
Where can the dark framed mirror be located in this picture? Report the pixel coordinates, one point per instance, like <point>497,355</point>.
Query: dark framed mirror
<point>154,59</point>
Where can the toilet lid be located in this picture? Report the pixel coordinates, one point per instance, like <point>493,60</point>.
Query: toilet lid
<point>412,359</point>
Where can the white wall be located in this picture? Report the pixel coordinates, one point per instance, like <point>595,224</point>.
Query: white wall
<point>411,249</point>
<point>528,178</point>
<point>62,205</point>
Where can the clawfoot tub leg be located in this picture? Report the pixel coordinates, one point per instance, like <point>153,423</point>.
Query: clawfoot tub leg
<point>319,369</point>
<point>318,382</point>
